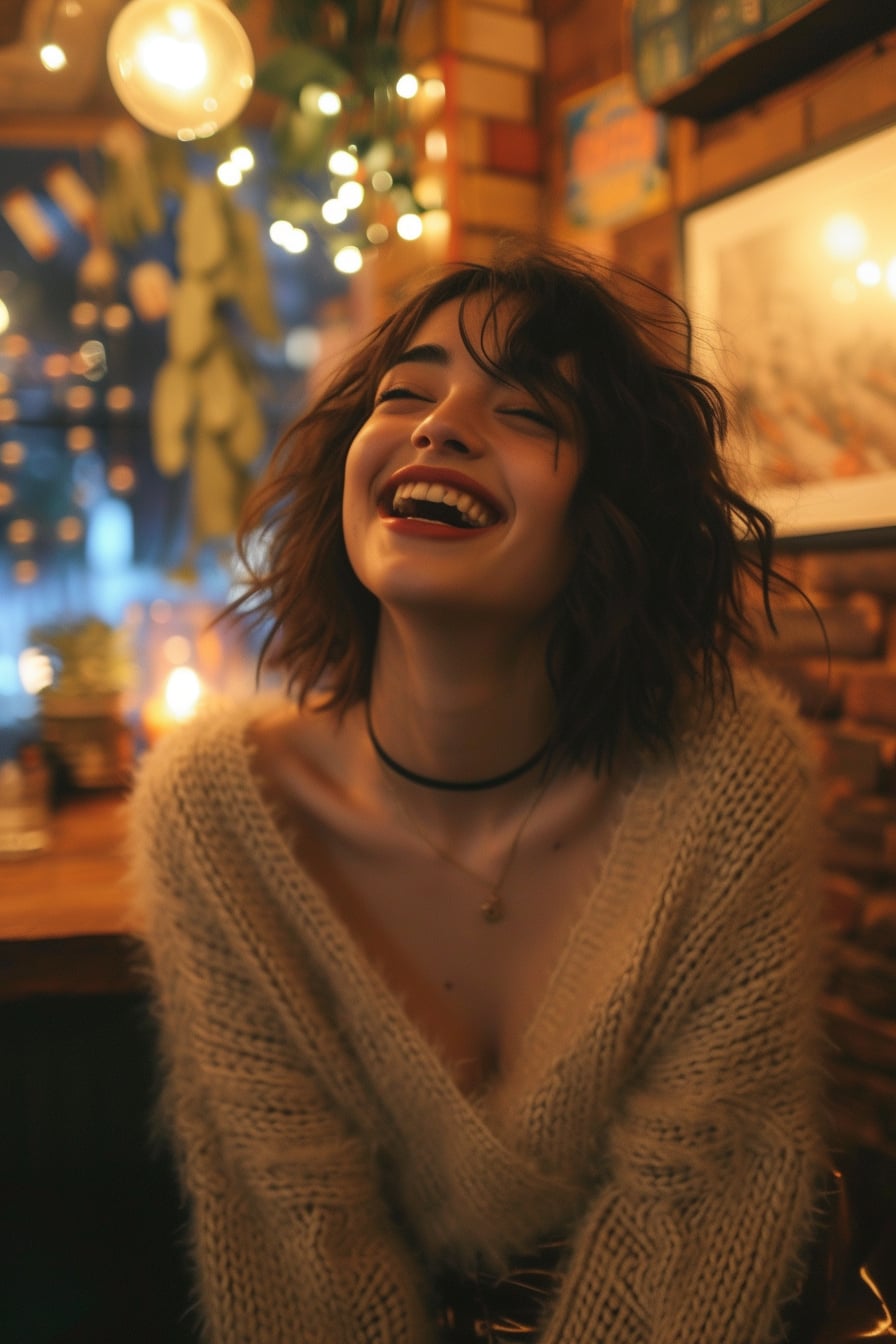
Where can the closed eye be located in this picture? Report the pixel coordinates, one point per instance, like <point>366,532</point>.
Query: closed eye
<point>398,394</point>
<point>527,413</point>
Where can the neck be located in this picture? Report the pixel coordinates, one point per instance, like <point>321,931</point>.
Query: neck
<point>457,708</point>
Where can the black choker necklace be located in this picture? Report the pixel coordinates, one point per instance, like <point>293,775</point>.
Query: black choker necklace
<point>458,785</point>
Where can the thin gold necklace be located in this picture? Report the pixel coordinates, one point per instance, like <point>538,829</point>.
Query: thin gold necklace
<point>492,909</point>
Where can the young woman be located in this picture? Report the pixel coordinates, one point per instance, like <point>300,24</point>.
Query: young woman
<point>487,959</point>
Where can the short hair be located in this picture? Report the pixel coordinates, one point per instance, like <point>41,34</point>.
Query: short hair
<point>663,541</point>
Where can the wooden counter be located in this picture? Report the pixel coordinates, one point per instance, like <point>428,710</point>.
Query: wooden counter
<point>65,919</point>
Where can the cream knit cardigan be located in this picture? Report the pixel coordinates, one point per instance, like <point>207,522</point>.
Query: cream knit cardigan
<point>665,1111</point>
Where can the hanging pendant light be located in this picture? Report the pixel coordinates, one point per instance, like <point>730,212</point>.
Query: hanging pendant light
<point>182,68</point>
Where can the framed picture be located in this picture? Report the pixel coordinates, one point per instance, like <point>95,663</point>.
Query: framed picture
<point>616,162</point>
<point>792,287</point>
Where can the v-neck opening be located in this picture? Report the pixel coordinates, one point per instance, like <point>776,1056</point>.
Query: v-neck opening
<point>342,950</point>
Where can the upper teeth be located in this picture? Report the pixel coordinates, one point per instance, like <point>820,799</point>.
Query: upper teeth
<point>474,511</point>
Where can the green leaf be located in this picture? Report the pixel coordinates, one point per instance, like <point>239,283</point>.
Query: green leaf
<point>287,72</point>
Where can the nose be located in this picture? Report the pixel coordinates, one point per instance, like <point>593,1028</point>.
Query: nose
<point>448,425</point>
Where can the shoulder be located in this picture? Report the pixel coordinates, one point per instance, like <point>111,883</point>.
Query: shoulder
<point>748,760</point>
<point>198,777</point>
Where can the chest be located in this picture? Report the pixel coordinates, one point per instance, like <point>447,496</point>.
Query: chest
<point>471,986</point>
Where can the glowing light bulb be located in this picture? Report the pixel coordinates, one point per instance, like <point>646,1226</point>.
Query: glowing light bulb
<point>868,273</point>
<point>183,691</point>
<point>351,194</point>
<point>243,157</point>
<point>35,670</point>
<point>407,86</point>
<point>381,180</point>
<point>348,260</point>
<point>329,103</point>
<point>409,227</point>
<point>377,233</point>
<point>844,236</point>
<point>279,231</point>
<point>891,276</point>
<point>182,68</point>
<point>333,211</point>
<point>296,242</point>
<point>52,57</point>
<point>228,174</point>
<point>342,163</point>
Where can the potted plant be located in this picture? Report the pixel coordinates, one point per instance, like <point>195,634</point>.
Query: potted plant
<point>82,722</point>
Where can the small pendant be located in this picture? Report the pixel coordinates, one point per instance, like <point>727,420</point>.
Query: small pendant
<point>492,909</point>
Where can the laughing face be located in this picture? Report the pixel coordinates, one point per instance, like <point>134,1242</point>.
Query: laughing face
<point>458,486</point>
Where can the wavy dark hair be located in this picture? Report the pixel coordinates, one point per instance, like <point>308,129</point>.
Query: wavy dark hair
<point>665,545</point>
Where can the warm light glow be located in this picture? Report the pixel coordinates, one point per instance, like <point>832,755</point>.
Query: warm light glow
<point>25,571</point>
<point>333,211</point>
<point>243,157</point>
<point>407,86</point>
<point>12,453</point>
<point>429,191</point>
<point>409,227</point>
<point>52,57</point>
<point>279,231</point>
<point>183,691</point>
<point>434,89</point>
<point>296,242</point>
<point>79,439</point>
<point>35,671</point>
<point>868,273</point>
<point>79,398</point>
<point>228,174</point>
<point>120,398</point>
<point>890,274</point>
<point>182,69</point>
<point>121,478</point>
<point>342,163</point>
<point>329,104</point>
<point>56,365</point>
<point>84,314</point>
<point>4,317</point>
<point>20,532</point>
<point>844,236</point>
<point>177,649</point>
<point>436,146</point>
<point>7,495</point>
<point>351,194</point>
<point>117,317</point>
<point>348,260</point>
<point>377,233</point>
<point>381,180</point>
<point>70,528</point>
<point>9,409</point>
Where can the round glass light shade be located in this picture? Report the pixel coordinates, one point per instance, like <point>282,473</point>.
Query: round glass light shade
<point>182,68</point>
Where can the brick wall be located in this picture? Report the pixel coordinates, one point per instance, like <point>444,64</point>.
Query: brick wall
<point>849,701</point>
<point>844,678</point>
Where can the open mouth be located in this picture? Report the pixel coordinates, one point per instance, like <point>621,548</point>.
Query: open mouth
<point>435,502</point>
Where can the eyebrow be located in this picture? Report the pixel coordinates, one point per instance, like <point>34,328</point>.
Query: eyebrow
<point>423,354</point>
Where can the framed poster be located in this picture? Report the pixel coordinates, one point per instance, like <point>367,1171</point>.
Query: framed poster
<point>792,286</point>
<point>615,156</point>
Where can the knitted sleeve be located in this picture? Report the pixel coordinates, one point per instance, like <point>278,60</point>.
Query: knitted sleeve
<point>291,1238</point>
<point>714,1153</point>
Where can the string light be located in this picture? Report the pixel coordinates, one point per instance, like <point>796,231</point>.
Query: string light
<point>52,57</point>
<point>343,163</point>
<point>348,260</point>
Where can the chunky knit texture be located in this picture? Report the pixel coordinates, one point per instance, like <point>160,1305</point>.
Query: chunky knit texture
<point>665,1112</point>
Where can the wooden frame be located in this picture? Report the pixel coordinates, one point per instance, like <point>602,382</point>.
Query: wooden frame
<point>792,285</point>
